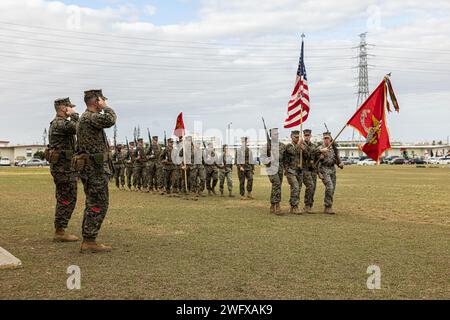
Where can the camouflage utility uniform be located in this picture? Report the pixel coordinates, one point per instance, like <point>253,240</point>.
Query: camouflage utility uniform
<point>276,179</point>
<point>170,171</point>
<point>245,170</point>
<point>197,173</point>
<point>62,140</point>
<point>327,170</point>
<point>154,167</point>
<point>310,174</point>
<point>129,165</point>
<point>139,178</point>
<point>95,176</point>
<point>211,169</point>
<point>226,173</point>
<point>119,160</point>
<point>294,172</point>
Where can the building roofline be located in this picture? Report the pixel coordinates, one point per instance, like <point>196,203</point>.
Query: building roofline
<point>23,145</point>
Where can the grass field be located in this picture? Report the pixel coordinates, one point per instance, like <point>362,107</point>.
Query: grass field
<point>219,248</point>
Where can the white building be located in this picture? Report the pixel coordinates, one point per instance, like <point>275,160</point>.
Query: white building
<point>18,151</point>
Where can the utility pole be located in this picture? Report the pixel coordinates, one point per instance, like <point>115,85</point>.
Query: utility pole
<point>363,74</point>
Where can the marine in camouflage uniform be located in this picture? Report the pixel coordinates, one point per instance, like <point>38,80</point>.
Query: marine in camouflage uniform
<point>59,153</point>
<point>295,151</point>
<point>197,173</point>
<point>129,165</point>
<point>154,165</point>
<point>96,171</point>
<point>212,174</point>
<point>170,169</point>
<point>276,179</point>
<point>310,171</point>
<point>245,166</point>
<point>226,171</point>
<point>328,159</point>
<point>181,175</point>
<point>119,159</point>
<point>139,178</point>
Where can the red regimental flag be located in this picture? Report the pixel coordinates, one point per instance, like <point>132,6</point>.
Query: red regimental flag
<point>179,126</point>
<point>370,121</point>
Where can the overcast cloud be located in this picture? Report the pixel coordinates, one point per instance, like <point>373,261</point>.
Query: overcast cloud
<point>221,61</point>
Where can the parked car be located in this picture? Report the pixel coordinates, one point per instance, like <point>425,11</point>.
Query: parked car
<point>432,160</point>
<point>417,161</point>
<point>33,163</point>
<point>388,160</point>
<point>399,161</point>
<point>353,160</point>
<point>367,162</point>
<point>18,160</point>
<point>443,160</point>
<point>346,161</point>
<point>5,162</point>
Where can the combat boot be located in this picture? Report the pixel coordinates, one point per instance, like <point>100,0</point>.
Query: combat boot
<point>291,210</point>
<point>307,209</point>
<point>243,197</point>
<point>214,192</point>
<point>272,209</point>
<point>329,210</point>
<point>221,193</point>
<point>61,236</point>
<point>93,247</point>
<point>278,210</point>
<point>209,193</point>
<point>249,195</point>
<point>295,210</point>
<point>231,194</point>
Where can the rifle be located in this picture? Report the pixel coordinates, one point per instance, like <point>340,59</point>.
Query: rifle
<point>135,136</point>
<point>128,149</point>
<point>165,139</point>
<point>267,137</point>
<point>115,158</point>
<point>149,142</point>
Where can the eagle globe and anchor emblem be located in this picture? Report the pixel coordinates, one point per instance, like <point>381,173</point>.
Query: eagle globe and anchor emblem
<point>373,128</point>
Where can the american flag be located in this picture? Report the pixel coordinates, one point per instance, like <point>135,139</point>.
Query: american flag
<point>299,104</point>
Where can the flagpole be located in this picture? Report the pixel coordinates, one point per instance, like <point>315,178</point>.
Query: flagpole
<point>185,164</point>
<point>301,134</point>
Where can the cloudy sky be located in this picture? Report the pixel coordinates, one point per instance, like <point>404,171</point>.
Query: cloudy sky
<point>221,61</point>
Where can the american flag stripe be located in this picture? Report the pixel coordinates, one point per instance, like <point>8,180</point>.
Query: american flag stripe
<point>298,106</point>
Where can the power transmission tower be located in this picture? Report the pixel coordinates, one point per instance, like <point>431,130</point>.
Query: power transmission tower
<point>363,74</point>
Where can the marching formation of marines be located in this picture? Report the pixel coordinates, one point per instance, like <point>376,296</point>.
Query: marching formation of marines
<point>79,150</point>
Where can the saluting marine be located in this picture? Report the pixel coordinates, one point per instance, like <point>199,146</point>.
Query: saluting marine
<point>93,162</point>
<point>59,154</point>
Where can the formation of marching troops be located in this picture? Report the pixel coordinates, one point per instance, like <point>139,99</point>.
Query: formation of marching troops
<point>79,150</point>
<point>150,168</point>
